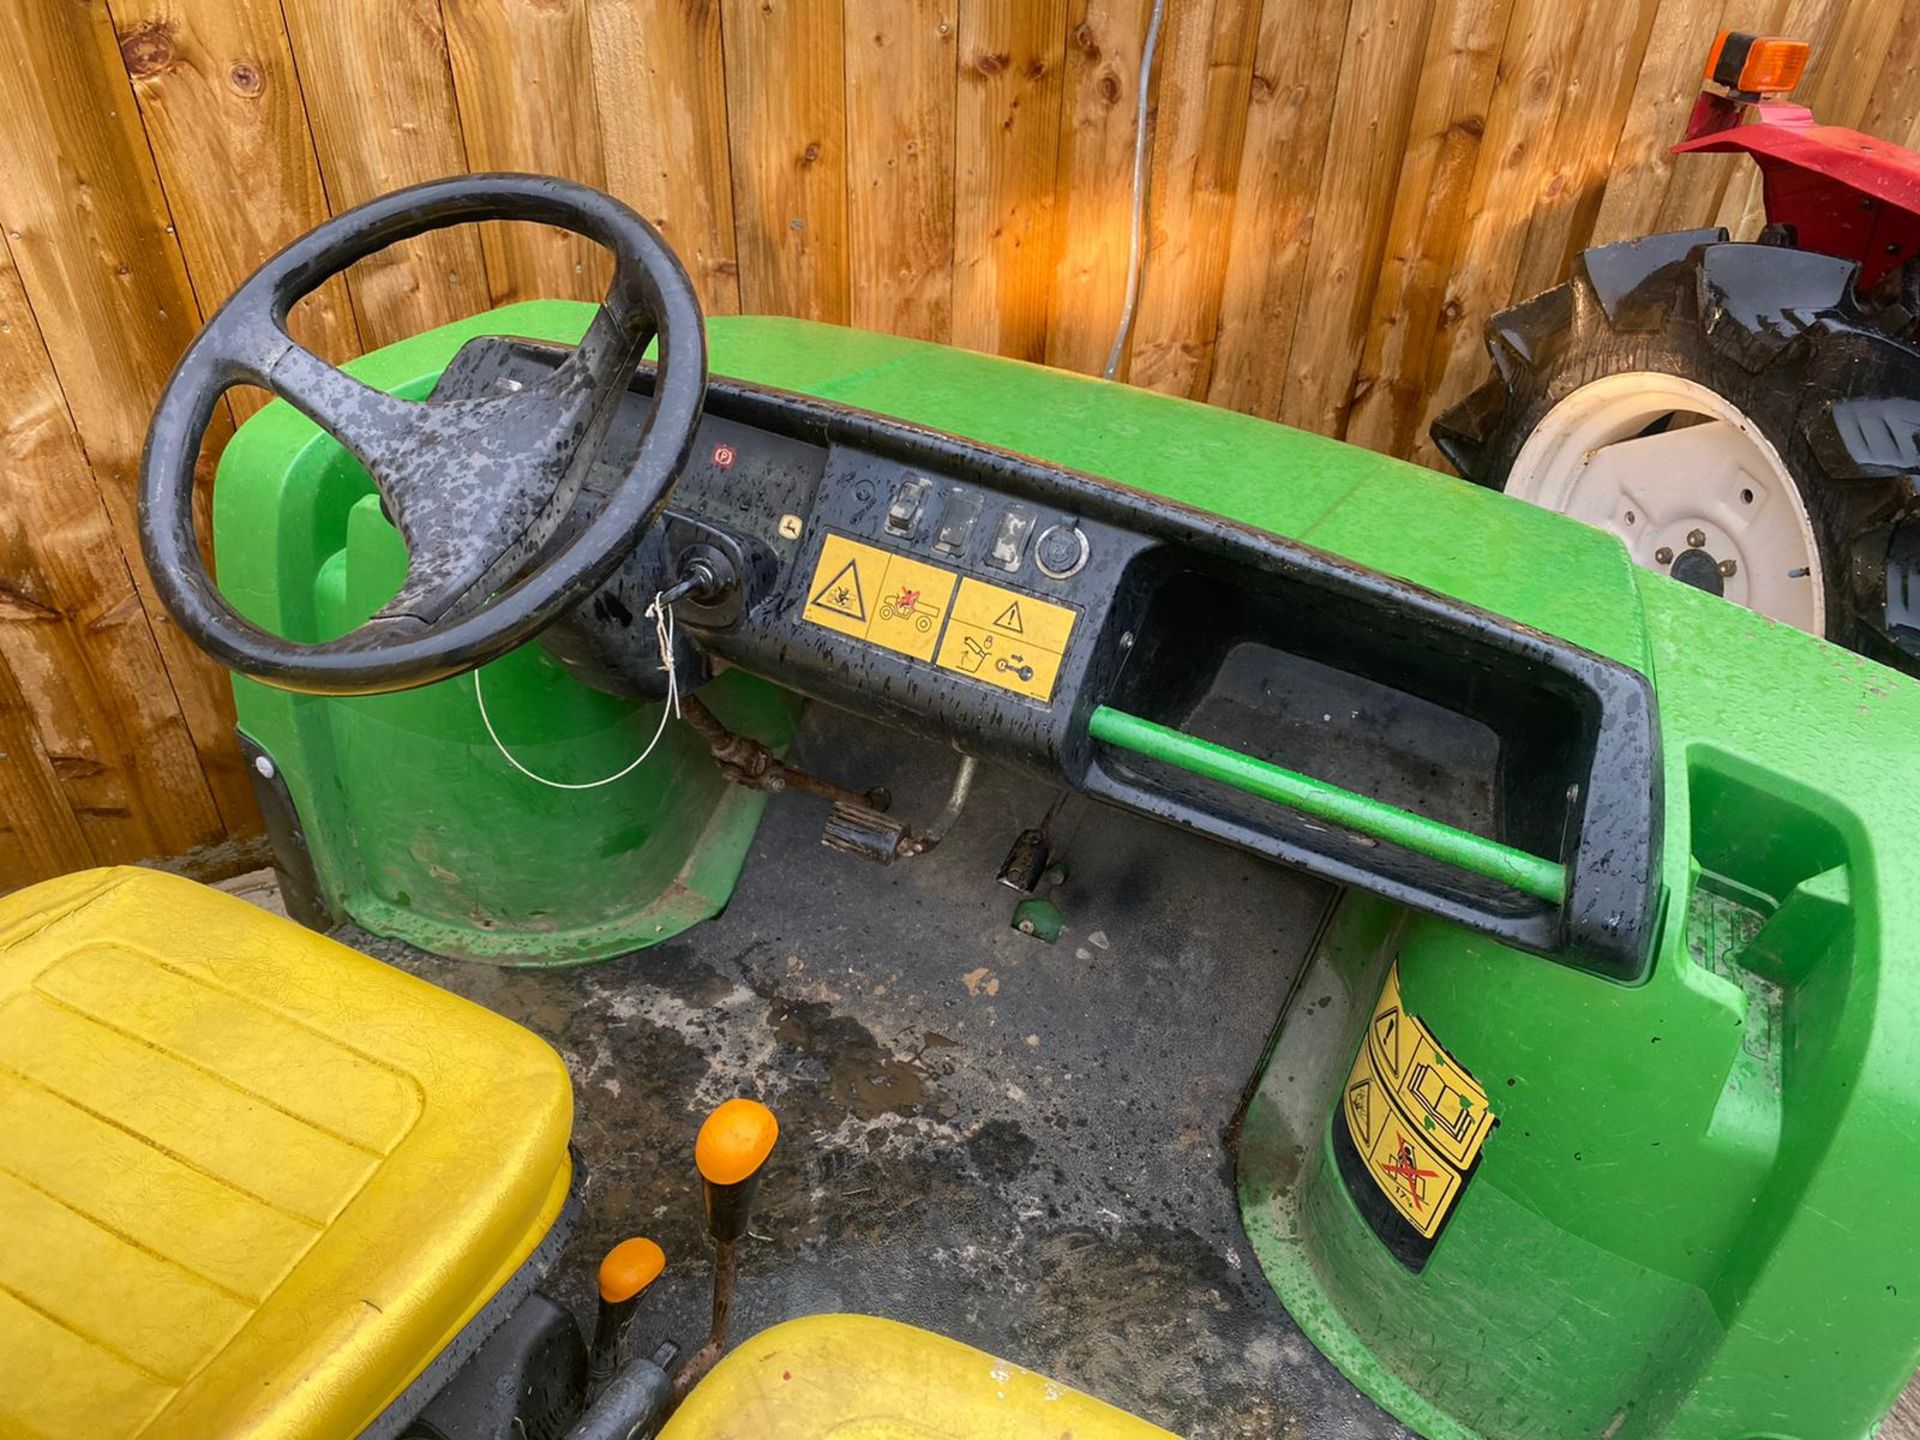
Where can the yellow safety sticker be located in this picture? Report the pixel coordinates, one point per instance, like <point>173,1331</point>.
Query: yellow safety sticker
<point>1408,1171</point>
<point>997,636</point>
<point>1020,617</point>
<point>1417,1117</point>
<point>1007,639</point>
<point>875,595</point>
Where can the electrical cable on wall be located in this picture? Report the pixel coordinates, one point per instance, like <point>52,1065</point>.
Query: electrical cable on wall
<point>1142,144</point>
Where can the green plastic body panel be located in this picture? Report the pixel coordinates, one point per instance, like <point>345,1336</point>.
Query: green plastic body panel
<point>418,828</point>
<point>1693,1218</point>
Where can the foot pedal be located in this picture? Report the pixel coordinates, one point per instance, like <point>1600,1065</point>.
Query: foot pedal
<point>1026,862</point>
<point>866,833</point>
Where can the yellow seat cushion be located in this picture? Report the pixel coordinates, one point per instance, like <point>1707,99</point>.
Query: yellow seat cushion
<point>852,1377</point>
<point>251,1181</point>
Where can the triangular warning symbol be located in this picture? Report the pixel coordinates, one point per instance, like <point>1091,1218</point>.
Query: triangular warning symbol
<point>842,594</point>
<point>1386,1030</point>
<point>1010,620</point>
<point>1360,1111</point>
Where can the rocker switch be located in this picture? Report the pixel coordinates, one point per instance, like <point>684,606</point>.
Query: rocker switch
<point>1010,539</point>
<point>908,505</point>
<point>957,520</point>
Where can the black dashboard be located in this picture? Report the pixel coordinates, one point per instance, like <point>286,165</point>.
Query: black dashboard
<point>996,602</point>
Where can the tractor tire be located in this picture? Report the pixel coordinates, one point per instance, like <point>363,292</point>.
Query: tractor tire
<point>1805,387</point>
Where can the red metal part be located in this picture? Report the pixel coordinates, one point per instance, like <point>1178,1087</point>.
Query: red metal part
<point>1844,193</point>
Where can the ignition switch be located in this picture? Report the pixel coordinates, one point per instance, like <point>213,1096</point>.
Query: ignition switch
<point>706,576</point>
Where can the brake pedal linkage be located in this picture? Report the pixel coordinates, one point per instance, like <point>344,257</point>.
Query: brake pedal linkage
<point>750,764</point>
<point>859,824</point>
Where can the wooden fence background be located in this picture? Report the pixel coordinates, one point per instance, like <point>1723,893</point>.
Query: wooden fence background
<point>1341,192</point>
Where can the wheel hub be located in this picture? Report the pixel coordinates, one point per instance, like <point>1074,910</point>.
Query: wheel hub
<point>1700,570</point>
<point>1689,484</point>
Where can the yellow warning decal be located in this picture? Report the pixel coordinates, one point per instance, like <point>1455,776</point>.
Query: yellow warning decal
<point>1007,639</point>
<point>875,595</point>
<point>1417,1118</point>
<point>1001,637</point>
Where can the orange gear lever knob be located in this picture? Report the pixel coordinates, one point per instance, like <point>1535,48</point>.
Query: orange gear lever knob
<point>626,1272</point>
<point>731,1150</point>
<point>630,1267</point>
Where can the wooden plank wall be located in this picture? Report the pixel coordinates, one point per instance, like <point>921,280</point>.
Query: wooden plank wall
<point>1342,191</point>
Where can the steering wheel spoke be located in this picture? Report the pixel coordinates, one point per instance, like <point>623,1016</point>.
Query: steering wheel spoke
<point>479,488</point>
<point>380,430</point>
<point>474,486</point>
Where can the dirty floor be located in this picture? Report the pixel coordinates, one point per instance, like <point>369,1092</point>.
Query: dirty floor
<point>1017,1144</point>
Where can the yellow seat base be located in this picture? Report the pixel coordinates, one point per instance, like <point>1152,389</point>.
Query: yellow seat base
<point>852,1377</point>
<point>251,1181</point>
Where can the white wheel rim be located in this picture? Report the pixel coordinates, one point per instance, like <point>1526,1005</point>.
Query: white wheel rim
<point>1708,481</point>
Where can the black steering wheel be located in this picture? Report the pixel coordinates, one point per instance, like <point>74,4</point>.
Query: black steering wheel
<point>477,487</point>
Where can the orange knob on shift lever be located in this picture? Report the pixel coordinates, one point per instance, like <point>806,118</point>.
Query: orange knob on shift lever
<point>625,1274</point>
<point>730,1152</point>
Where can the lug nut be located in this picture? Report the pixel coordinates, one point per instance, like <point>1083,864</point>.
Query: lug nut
<point>1727,568</point>
<point>1663,556</point>
<point>1696,539</point>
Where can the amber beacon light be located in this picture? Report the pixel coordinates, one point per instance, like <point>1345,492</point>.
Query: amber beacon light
<point>1757,64</point>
